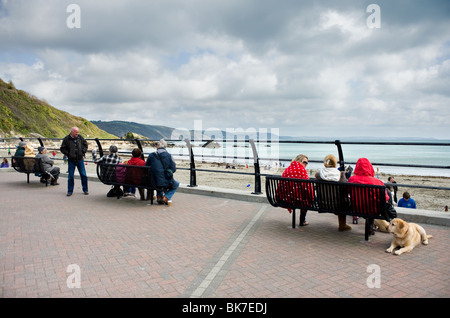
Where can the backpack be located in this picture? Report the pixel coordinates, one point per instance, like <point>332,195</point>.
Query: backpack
<point>120,173</point>
<point>115,191</point>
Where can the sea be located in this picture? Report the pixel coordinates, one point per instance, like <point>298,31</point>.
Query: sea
<point>394,157</point>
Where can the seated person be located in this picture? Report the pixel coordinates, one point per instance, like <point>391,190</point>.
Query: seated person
<point>29,163</point>
<point>330,173</point>
<point>365,174</point>
<point>20,151</point>
<point>407,201</point>
<point>161,161</point>
<point>5,163</point>
<point>297,170</point>
<point>134,175</point>
<point>108,172</point>
<point>47,164</point>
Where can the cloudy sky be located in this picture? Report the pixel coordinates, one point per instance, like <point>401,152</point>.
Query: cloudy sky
<point>308,68</point>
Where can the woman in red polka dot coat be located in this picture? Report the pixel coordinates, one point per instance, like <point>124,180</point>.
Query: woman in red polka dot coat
<point>297,169</point>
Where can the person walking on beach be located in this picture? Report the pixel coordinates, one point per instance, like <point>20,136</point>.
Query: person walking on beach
<point>74,146</point>
<point>297,170</point>
<point>163,168</point>
<point>395,188</point>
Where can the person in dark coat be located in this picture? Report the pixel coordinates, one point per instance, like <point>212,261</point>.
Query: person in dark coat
<point>160,162</point>
<point>20,151</point>
<point>74,146</point>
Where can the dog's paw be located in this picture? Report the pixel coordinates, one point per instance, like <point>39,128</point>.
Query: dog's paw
<point>399,252</point>
<point>425,242</point>
<point>389,250</point>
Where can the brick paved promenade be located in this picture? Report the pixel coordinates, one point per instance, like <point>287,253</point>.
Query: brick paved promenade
<point>202,246</point>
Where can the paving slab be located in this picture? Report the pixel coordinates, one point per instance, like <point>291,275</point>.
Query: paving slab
<point>202,247</point>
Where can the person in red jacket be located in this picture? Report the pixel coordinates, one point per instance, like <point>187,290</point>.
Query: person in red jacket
<point>134,175</point>
<point>365,174</point>
<point>297,170</point>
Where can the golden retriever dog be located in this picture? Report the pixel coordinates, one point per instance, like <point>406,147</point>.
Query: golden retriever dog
<point>406,236</point>
<point>381,225</point>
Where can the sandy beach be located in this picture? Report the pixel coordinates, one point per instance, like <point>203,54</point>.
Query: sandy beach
<point>428,199</point>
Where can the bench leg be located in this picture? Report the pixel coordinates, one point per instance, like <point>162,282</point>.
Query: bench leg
<point>293,218</point>
<point>367,230</point>
<point>150,193</point>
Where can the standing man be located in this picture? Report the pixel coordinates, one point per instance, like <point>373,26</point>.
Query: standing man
<point>392,180</point>
<point>74,146</point>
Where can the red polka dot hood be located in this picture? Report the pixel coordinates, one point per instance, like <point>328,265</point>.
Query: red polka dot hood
<point>364,168</point>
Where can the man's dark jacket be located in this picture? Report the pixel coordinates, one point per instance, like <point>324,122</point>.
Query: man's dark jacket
<point>74,148</point>
<point>157,161</point>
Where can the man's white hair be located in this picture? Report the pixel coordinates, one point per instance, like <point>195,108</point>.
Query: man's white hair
<point>162,143</point>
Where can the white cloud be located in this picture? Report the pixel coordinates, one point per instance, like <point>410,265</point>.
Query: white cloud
<point>308,68</point>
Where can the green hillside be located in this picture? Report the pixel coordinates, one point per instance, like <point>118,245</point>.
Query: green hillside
<point>121,128</point>
<point>23,114</point>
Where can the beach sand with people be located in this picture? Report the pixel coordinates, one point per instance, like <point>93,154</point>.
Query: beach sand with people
<point>240,177</point>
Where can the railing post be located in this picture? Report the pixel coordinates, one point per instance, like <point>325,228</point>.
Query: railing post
<point>100,149</point>
<point>138,143</point>
<point>193,177</point>
<point>341,156</point>
<point>256,165</point>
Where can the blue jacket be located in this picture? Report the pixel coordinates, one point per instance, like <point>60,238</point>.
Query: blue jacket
<point>410,204</point>
<point>157,161</point>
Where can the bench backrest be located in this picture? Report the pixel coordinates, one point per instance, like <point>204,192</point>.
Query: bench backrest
<point>27,164</point>
<point>127,175</point>
<point>325,196</point>
<point>291,193</point>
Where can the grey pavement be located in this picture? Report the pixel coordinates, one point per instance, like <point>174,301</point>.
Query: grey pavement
<point>212,243</point>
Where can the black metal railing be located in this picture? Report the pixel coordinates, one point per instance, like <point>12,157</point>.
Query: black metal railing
<point>255,159</point>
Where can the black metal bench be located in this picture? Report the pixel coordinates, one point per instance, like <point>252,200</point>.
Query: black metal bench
<point>362,200</point>
<point>30,165</point>
<point>126,176</point>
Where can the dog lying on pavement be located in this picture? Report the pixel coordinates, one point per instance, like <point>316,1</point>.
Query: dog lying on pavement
<point>406,236</point>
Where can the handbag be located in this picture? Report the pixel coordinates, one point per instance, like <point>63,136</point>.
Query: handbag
<point>115,191</point>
